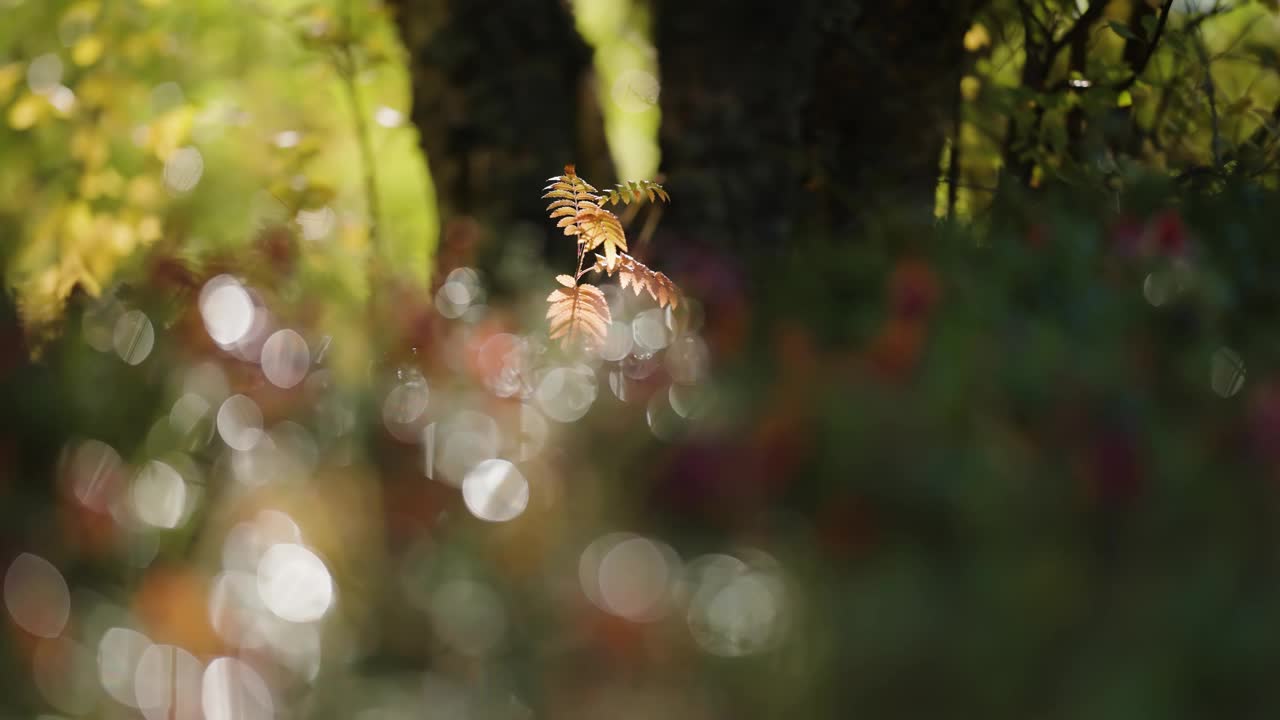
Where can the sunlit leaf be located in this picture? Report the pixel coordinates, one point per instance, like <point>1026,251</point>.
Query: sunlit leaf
<point>578,314</point>
<point>640,278</point>
<point>976,38</point>
<point>87,50</point>
<point>27,111</point>
<point>636,191</point>
<point>599,227</point>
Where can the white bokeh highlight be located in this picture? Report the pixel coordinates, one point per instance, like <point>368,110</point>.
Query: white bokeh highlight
<point>285,358</point>
<point>167,684</point>
<point>227,309</point>
<point>495,490</point>
<point>629,576</point>
<point>133,337</point>
<point>119,652</point>
<point>232,689</point>
<point>159,495</point>
<point>36,596</point>
<point>294,583</point>
<point>240,422</point>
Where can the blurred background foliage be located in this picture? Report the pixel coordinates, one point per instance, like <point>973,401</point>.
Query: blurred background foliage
<point>1184,87</point>
<point>970,405</point>
<point>116,112</point>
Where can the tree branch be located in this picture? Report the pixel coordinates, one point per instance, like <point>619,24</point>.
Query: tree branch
<point>1267,129</point>
<point>348,69</point>
<point>1028,24</point>
<point>1081,26</point>
<point>1151,48</point>
<point>1029,15</point>
<point>1142,63</point>
<point>1077,63</point>
<point>953,167</point>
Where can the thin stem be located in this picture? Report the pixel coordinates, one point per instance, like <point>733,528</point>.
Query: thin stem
<point>366,160</point>
<point>347,70</point>
<point>582,254</point>
<point>953,159</point>
<point>629,214</point>
<point>577,293</point>
<point>1215,140</point>
<point>650,226</point>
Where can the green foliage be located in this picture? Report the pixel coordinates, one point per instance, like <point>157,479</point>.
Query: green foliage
<point>196,126</point>
<point>1183,88</point>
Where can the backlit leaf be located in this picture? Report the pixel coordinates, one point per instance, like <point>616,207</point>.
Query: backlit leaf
<point>639,277</point>
<point>578,314</point>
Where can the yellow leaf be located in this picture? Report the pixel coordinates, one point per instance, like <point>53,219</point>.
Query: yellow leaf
<point>1125,100</point>
<point>169,132</point>
<point>52,286</point>
<point>101,261</point>
<point>87,50</point>
<point>106,183</point>
<point>570,196</point>
<point>611,254</point>
<point>78,222</point>
<point>143,192</point>
<point>82,277</point>
<point>601,227</point>
<point>969,87</point>
<point>9,76</point>
<point>976,38</point>
<point>27,111</point>
<point>149,229</point>
<point>353,237</point>
<point>578,313</point>
<point>121,238</point>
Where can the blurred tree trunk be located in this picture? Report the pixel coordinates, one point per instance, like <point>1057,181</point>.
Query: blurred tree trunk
<point>496,89</point>
<point>803,116</point>
<point>778,118</point>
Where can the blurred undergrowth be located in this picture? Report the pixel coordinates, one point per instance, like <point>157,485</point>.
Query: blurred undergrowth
<point>1023,458</point>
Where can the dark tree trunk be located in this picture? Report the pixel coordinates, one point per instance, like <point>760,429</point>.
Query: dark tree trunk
<point>496,95</point>
<point>802,116</point>
<point>778,118</point>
